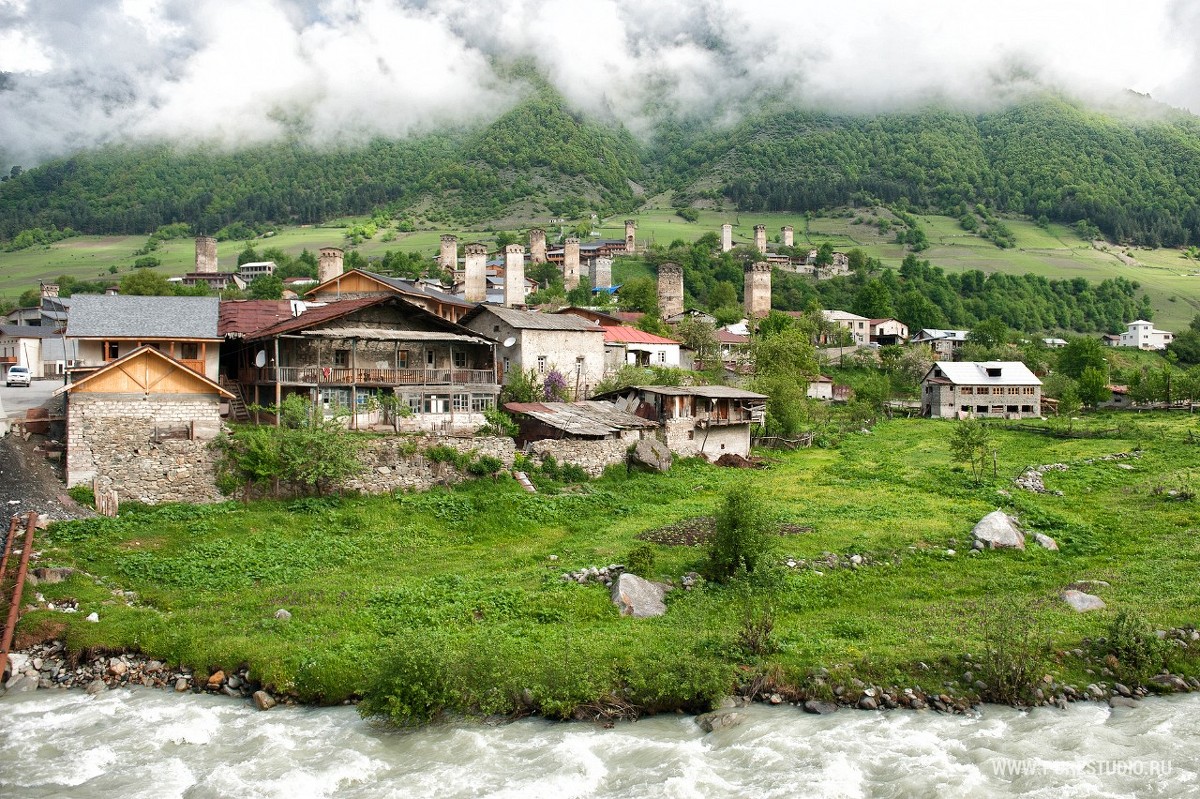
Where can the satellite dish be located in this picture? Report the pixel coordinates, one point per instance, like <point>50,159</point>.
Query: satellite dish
<point>511,340</point>
<point>260,360</point>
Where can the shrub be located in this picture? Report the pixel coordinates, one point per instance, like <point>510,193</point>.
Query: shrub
<point>446,454</point>
<point>498,423</point>
<point>1136,652</point>
<point>1012,662</point>
<point>740,539</point>
<point>640,560</point>
<point>572,473</point>
<point>485,465</point>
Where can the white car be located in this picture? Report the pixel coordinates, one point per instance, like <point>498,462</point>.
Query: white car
<point>17,376</point>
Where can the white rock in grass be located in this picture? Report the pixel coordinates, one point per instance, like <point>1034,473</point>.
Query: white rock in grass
<point>998,530</point>
<point>1082,602</point>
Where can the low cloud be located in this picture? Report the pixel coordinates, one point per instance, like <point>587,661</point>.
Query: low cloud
<point>86,72</point>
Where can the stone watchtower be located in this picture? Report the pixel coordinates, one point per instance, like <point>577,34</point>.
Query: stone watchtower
<point>789,238</point>
<point>448,257</point>
<point>760,239</point>
<point>206,255</point>
<point>601,273</point>
<point>537,246</point>
<point>758,290</point>
<point>571,263</point>
<point>49,290</point>
<point>670,290</point>
<point>726,237</point>
<point>514,275</point>
<point>329,264</point>
<point>475,273</point>
<point>630,242</point>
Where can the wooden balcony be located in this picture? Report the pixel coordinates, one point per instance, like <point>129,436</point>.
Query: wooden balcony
<point>343,376</point>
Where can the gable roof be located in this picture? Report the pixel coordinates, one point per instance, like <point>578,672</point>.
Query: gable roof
<point>129,316</point>
<point>314,317</point>
<point>238,318</point>
<point>586,418</point>
<point>937,334</point>
<point>532,320</point>
<point>980,373</point>
<point>620,334</point>
<point>148,357</point>
<point>26,331</point>
<point>394,284</point>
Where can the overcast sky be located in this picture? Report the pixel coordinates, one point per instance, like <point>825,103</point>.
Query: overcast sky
<point>240,71</point>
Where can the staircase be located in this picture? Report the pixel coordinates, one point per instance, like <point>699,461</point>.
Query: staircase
<point>237,406</point>
<point>523,479</point>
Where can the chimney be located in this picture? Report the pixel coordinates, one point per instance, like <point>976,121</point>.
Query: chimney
<point>514,275</point>
<point>448,257</point>
<point>601,273</point>
<point>758,290</point>
<point>726,237</point>
<point>49,290</point>
<point>630,242</point>
<point>788,237</point>
<point>670,290</point>
<point>329,264</point>
<point>206,255</point>
<point>760,239</point>
<point>475,274</point>
<point>571,263</point>
<point>537,246</point>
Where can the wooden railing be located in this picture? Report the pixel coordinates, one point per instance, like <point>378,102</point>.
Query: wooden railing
<point>343,376</point>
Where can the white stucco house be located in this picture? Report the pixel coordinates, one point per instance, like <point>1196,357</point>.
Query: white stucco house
<point>1142,334</point>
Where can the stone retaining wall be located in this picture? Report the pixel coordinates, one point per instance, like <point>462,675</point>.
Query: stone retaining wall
<point>592,456</point>
<point>399,462</point>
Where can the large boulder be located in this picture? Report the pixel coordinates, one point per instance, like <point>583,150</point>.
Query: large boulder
<point>998,530</point>
<point>1082,602</point>
<point>719,720</point>
<point>650,454</point>
<point>638,597</point>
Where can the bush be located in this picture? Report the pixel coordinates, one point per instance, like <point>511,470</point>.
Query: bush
<point>1134,652</point>
<point>739,541</point>
<point>640,560</point>
<point>485,465</point>
<point>445,454</point>
<point>1012,663</point>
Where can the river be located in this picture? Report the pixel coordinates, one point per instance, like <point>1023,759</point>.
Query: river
<point>147,743</point>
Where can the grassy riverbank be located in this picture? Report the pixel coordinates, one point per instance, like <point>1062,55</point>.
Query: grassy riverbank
<point>454,598</point>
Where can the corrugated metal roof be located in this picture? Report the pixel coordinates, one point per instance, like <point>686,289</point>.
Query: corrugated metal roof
<point>936,334</point>
<point>586,418</point>
<point>985,373</point>
<point>533,320</point>
<point>128,316</point>
<point>385,334</point>
<point>243,317</point>
<point>708,392</point>
<point>314,317</point>
<point>631,335</point>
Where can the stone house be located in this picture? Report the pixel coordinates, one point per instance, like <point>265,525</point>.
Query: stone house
<point>105,327</point>
<point>357,355</point>
<point>590,434</point>
<point>988,389</point>
<point>625,345</point>
<point>943,344</point>
<point>709,421</point>
<point>141,425</point>
<point>542,342</point>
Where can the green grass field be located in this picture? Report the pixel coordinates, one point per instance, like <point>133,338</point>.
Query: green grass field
<point>459,590</point>
<point>1171,281</point>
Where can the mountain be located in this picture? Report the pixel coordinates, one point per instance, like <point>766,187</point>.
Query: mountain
<point>1133,174</point>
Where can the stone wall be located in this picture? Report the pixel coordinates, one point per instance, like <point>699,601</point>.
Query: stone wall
<point>399,462</point>
<point>593,456</point>
<point>131,443</point>
<point>683,438</point>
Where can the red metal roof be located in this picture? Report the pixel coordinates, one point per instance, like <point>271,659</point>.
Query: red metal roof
<point>315,316</point>
<point>243,317</point>
<point>631,335</point>
<point>725,337</point>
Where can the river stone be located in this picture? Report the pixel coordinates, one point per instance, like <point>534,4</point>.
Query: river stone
<point>998,530</point>
<point>651,454</point>
<point>819,707</point>
<point>717,721</point>
<point>868,703</point>
<point>1045,541</point>
<point>1121,701</point>
<point>216,678</point>
<point>96,686</point>
<point>117,667</point>
<point>181,684</point>
<point>1082,602</point>
<point>638,597</point>
<point>263,700</point>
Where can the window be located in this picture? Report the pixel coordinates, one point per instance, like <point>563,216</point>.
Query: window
<point>662,357</point>
<point>507,365</point>
<point>414,402</point>
<point>402,359</point>
<point>462,402</point>
<point>981,409</point>
<point>430,358</point>
<point>436,403</point>
<point>541,364</point>
<point>482,402</point>
<point>967,390</point>
<point>495,328</point>
<point>341,357</point>
<point>112,350</point>
<point>334,398</point>
<point>189,351</point>
<point>1026,409</point>
<point>460,360</point>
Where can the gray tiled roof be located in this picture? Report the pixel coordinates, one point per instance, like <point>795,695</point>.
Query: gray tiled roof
<point>533,320</point>
<point>26,331</point>
<point>100,315</point>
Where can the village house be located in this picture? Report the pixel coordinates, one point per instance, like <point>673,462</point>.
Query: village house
<point>709,421</point>
<point>989,389</point>
<point>21,345</point>
<point>105,327</point>
<point>886,332</point>
<point>859,326</point>
<point>629,346</point>
<point>943,344</point>
<point>24,317</point>
<point>1144,336</point>
<point>543,343</point>
<point>336,284</point>
<point>357,355</point>
<point>140,425</point>
<point>820,388</point>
